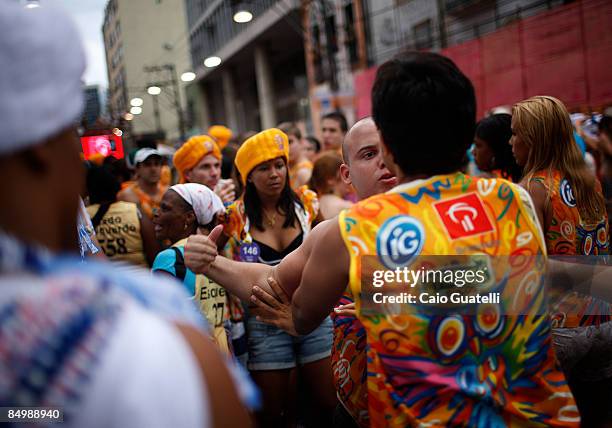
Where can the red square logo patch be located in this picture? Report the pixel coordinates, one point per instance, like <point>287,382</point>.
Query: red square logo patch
<point>464,216</point>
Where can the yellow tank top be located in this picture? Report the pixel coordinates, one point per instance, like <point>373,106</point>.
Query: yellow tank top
<point>491,367</point>
<point>213,302</point>
<point>119,233</point>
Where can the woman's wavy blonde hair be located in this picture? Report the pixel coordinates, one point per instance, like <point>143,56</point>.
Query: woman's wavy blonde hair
<point>544,125</point>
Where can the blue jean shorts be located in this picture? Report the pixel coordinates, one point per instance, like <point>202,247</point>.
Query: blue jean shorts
<point>270,348</point>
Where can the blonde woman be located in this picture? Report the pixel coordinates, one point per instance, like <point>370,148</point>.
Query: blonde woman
<point>568,199</point>
<point>571,209</point>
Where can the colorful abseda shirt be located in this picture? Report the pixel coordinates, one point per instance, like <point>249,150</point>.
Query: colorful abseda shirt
<point>293,171</point>
<point>148,204</point>
<point>349,366</point>
<point>569,235</point>
<point>237,226</point>
<point>492,367</point>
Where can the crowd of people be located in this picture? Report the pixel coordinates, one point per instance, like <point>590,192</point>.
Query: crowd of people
<point>232,284</point>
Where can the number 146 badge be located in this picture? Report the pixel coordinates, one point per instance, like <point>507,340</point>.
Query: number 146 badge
<point>249,252</point>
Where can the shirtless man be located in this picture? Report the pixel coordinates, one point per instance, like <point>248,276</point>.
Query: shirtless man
<point>147,191</point>
<point>365,169</point>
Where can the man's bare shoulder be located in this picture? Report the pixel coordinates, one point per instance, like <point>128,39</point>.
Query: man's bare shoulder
<point>127,195</point>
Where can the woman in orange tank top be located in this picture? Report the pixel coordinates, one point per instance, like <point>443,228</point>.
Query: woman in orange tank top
<point>572,212</point>
<point>568,198</point>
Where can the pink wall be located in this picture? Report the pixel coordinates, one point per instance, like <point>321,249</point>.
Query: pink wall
<point>565,52</point>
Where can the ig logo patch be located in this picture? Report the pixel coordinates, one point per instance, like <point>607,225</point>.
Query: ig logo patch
<point>565,189</point>
<point>399,240</point>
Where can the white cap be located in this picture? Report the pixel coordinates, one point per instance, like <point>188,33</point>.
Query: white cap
<point>143,154</point>
<point>41,92</point>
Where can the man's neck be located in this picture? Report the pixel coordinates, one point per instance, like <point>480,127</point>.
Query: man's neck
<point>26,225</point>
<point>150,189</point>
<point>403,179</point>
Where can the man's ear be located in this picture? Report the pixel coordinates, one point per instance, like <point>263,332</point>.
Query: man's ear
<point>191,217</point>
<point>345,173</point>
<point>187,175</point>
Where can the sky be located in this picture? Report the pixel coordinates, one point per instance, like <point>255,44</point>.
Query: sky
<point>88,15</point>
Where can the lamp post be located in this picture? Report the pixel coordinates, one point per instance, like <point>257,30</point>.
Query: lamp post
<point>154,91</point>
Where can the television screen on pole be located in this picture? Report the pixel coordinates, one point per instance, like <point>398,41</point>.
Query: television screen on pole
<point>106,145</point>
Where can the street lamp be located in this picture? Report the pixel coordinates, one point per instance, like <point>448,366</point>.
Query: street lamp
<point>32,4</point>
<point>243,16</point>
<point>212,61</point>
<point>188,76</point>
<point>136,110</point>
<point>154,90</point>
<point>136,102</point>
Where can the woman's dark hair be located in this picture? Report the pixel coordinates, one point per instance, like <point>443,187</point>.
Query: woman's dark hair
<point>312,140</point>
<point>102,185</point>
<point>227,161</point>
<point>285,205</point>
<point>495,130</point>
<point>118,168</point>
<point>605,126</point>
<point>412,95</point>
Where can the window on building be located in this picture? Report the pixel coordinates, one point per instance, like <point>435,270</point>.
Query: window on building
<point>331,35</point>
<point>351,36</point>
<point>423,35</point>
<point>367,30</point>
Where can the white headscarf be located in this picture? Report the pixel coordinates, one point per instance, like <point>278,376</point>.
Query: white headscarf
<point>205,202</point>
<point>41,91</point>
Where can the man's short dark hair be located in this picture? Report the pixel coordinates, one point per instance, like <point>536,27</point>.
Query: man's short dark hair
<point>425,109</point>
<point>338,117</point>
<point>290,128</point>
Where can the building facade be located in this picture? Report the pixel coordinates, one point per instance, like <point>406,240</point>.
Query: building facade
<point>261,78</point>
<point>499,44</point>
<point>92,106</point>
<point>147,44</point>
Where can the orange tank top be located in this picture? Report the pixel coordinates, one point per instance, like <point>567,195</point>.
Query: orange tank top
<point>568,233</point>
<point>492,367</point>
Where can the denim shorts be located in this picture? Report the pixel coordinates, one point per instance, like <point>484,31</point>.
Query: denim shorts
<point>270,348</point>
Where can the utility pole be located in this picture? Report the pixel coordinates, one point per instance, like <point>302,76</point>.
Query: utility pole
<point>442,22</point>
<point>172,80</point>
<point>177,101</point>
<point>156,113</point>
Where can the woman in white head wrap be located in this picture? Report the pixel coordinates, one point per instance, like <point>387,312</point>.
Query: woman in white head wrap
<point>187,209</point>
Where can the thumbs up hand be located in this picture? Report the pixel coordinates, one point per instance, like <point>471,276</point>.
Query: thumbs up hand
<point>201,250</point>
